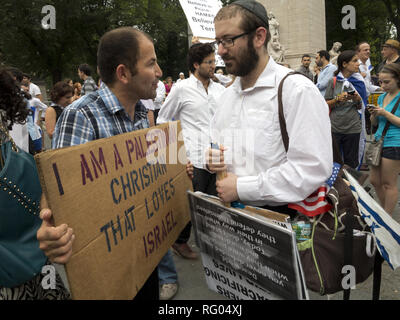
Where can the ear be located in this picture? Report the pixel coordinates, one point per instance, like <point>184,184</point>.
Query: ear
<point>260,37</point>
<point>122,74</point>
<point>196,65</point>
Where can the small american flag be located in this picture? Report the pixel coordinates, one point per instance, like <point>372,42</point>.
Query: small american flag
<point>316,203</point>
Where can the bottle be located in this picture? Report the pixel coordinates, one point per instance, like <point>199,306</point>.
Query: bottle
<point>302,227</point>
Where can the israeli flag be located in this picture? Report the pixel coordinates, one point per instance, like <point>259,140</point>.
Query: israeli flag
<point>385,229</point>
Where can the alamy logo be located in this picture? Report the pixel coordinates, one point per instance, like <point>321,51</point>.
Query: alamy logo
<point>49,20</point>
<point>349,278</point>
<point>349,21</point>
<point>49,280</point>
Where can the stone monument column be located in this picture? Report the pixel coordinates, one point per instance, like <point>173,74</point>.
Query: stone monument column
<point>302,27</point>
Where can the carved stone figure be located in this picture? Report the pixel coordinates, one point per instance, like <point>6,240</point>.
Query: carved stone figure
<point>276,50</point>
<point>335,52</point>
<point>273,25</point>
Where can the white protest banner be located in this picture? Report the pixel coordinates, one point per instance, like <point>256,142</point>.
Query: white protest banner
<point>261,251</point>
<point>200,15</point>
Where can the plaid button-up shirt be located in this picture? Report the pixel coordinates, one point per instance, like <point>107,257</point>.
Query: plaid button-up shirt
<point>95,116</point>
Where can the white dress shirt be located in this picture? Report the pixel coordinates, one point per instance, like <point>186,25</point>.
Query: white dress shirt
<point>247,124</point>
<point>190,103</point>
<point>38,106</point>
<point>160,97</point>
<point>148,104</point>
<point>367,68</point>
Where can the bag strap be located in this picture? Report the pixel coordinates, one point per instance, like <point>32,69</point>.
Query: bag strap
<point>282,121</point>
<point>348,247</point>
<point>388,122</point>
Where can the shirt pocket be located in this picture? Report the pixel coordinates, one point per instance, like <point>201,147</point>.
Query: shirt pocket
<point>261,120</point>
<point>264,131</point>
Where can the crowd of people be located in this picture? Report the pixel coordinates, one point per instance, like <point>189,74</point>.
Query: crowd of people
<point>236,112</point>
<point>361,101</point>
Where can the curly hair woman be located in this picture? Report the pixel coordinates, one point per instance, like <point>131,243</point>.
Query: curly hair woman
<point>12,101</point>
<point>18,242</point>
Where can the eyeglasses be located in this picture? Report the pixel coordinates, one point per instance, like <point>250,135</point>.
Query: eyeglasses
<point>229,42</point>
<point>209,62</point>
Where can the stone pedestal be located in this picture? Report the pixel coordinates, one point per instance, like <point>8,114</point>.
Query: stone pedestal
<point>302,27</point>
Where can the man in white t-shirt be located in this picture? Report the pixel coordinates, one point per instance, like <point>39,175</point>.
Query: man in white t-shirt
<point>34,90</point>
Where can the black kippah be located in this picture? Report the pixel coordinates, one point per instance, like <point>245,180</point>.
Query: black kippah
<point>255,8</point>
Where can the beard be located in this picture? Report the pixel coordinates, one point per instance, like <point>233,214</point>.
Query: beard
<point>246,61</point>
<point>205,74</point>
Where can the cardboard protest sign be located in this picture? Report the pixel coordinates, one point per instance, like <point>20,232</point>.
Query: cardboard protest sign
<point>231,284</point>
<point>257,247</point>
<point>200,15</point>
<point>125,198</point>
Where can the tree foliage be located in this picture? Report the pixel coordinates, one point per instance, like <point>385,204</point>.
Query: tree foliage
<point>56,54</point>
<point>374,23</point>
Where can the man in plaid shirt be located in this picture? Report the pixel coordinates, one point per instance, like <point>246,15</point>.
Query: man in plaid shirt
<point>128,67</point>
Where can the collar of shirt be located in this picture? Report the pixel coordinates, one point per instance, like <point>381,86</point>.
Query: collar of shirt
<point>199,84</point>
<point>266,79</point>
<point>111,102</point>
<point>327,66</point>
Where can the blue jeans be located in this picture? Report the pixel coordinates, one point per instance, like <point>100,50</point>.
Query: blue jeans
<point>166,269</point>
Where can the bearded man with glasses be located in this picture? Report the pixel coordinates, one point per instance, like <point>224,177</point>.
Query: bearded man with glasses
<point>246,124</point>
<point>193,101</point>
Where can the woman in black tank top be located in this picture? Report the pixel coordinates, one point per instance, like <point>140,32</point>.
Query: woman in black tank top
<point>61,95</point>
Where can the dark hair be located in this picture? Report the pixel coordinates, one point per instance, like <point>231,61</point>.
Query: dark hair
<point>394,70</point>
<point>26,76</point>
<point>119,46</point>
<point>85,68</point>
<point>12,100</point>
<point>197,53</point>
<point>250,22</point>
<point>15,73</point>
<point>325,54</point>
<point>60,90</point>
<point>306,56</point>
<point>345,56</point>
<point>357,48</point>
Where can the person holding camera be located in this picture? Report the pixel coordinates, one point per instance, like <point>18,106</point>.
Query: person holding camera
<point>344,102</point>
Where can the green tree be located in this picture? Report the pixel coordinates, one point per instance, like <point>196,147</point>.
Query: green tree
<point>374,23</point>
<point>55,54</point>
